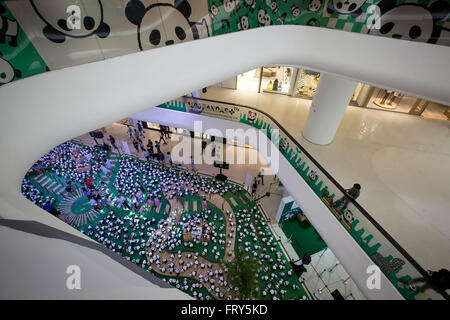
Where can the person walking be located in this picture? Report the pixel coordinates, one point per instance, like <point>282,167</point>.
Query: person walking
<point>130,132</point>
<point>169,158</point>
<point>158,146</point>
<point>136,146</point>
<point>161,137</point>
<point>167,132</point>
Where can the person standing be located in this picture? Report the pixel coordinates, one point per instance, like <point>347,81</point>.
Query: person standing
<point>130,132</point>
<point>352,193</point>
<point>275,85</point>
<point>169,158</point>
<point>158,147</point>
<point>88,183</point>
<point>204,143</point>
<point>192,163</point>
<point>113,143</point>
<point>150,145</point>
<point>69,187</point>
<point>141,133</point>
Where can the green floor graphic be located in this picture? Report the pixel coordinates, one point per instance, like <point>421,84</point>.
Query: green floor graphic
<point>305,239</point>
<point>86,219</point>
<point>81,205</point>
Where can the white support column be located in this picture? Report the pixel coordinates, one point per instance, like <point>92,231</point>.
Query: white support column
<point>327,109</point>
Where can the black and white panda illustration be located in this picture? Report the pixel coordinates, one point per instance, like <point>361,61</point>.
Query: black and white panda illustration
<point>9,28</point>
<point>274,6</point>
<point>243,23</point>
<point>348,7</point>
<point>410,21</point>
<point>54,14</point>
<point>7,72</point>
<point>230,6</point>
<point>250,5</point>
<point>314,5</point>
<point>252,117</point>
<point>295,11</point>
<point>348,216</point>
<point>213,11</point>
<point>264,18</point>
<point>151,31</point>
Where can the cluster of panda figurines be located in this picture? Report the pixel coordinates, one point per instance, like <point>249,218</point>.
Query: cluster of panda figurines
<point>60,159</point>
<point>155,180</point>
<point>32,193</point>
<point>125,236</point>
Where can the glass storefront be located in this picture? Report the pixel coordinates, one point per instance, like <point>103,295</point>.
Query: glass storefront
<point>276,79</point>
<point>306,85</point>
<point>391,100</point>
<point>271,79</point>
<point>303,83</point>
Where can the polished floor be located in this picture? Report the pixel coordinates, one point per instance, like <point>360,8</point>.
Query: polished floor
<point>401,161</point>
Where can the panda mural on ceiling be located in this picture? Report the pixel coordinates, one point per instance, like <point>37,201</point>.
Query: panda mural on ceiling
<point>411,21</point>
<point>347,7</point>
<point>8,28</point>
<point>7,72</point>
<point>175,27</point>
<point>54,15</point>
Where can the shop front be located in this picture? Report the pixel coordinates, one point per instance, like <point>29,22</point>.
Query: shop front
<point>302,83</point>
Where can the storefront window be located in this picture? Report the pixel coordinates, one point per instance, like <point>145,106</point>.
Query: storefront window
<point>391,100</point>
<point>306,83</point>
<point>276,79</point>
<point>436,111</point>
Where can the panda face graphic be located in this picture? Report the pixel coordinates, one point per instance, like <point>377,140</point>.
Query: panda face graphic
<point>295,11</point>
<point>7,72</point>
<point>348,6</point>
<point>263,18</point>
<point>348,216</point>
<point>229,5</point>
<point>59,22</point>
<point>407,22</point>
<point>214,11</point>
<point>251,116</point>
<point>314,5</point>
<point>176,28</point>
<point>161,24</point>
<point>243,23</point>
<point>274,6</point>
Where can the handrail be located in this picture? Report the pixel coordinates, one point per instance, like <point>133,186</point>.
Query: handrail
<point>182,106</point>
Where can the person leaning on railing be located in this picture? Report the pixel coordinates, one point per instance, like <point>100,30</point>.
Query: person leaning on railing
<point>352,193</point>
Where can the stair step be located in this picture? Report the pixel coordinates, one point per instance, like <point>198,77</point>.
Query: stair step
<point>46,182</point>
<point>41,179</point>
<point>51,185</point>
